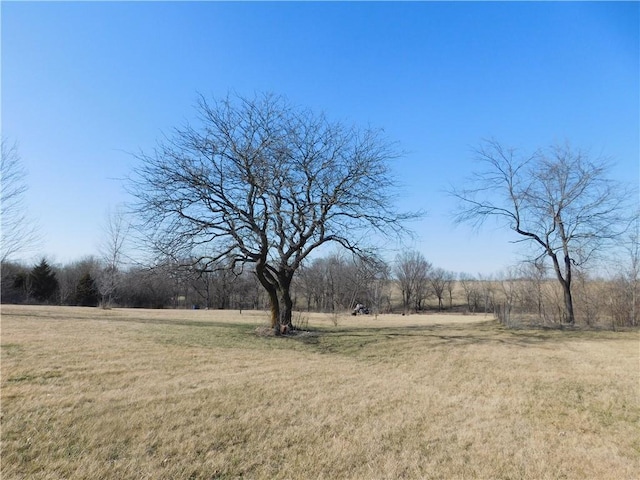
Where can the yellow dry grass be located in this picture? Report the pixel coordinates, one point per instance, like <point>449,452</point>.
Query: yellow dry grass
<point>139,394</point>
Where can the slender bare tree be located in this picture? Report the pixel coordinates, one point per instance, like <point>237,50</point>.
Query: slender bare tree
<point>112,251</point>
<point>438,283</point>
<point>633,273</point>
<point>624,294</point>
<point>450,284</point>
<point>260,181</point>
<point>558,200</point>
<point>534,274</point>
<point>19,233</point>
<point>469,285</point>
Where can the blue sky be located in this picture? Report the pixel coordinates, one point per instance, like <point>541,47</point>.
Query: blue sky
<point>84,85</point>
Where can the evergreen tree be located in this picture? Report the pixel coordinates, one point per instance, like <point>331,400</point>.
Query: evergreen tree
<point>87,294</point>
<point>43,282</point>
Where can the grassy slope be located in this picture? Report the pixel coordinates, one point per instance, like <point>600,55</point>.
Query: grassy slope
<point>194,394</point>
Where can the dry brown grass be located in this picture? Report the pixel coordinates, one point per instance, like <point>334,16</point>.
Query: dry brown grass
<point>141,394</point>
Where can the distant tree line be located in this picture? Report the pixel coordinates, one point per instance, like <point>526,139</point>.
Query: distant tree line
<point>524,295</point>
<point>89,282</point>
<point>326,284</point>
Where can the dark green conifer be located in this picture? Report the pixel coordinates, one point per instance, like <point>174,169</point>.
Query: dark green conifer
<point>87,294</point>
<point>43,282</point>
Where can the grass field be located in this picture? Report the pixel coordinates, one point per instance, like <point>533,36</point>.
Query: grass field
<point>140,394</point>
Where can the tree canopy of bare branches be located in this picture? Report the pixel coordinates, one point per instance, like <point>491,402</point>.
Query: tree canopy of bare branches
<point>19,233</point>
<point>412,272</point>
<point>557,199</point>
<point>112,251</point>
<point>260,181</point>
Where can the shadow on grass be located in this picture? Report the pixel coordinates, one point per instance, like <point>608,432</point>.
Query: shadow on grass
<point>347,340</point>
<point>352,341</point>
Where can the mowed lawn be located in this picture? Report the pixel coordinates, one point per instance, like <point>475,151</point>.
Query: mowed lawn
<point>141,394</point>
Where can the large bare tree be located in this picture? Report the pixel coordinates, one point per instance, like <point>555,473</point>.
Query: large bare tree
<point>19,233</point>
<point>260,181</point>
<point>557,199</point>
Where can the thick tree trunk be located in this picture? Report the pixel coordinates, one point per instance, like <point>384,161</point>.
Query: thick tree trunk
<point>274,306</point>
<point>269,284</point>
<point>279,291</point>
<point>285,301</point>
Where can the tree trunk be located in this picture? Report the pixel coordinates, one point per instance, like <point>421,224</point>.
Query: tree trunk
<point>568,298</point>
<point>284,300</point>
<point>568,303</point>
<point>286,307</point>
<point>279,291</point>
<point>274,306</point>
<point>565,281</point>
<point>269,284</point>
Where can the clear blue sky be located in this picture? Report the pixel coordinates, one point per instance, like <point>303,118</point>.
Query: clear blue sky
<point>83,84</point>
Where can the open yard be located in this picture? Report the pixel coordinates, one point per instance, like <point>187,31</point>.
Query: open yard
<point>140,394</point>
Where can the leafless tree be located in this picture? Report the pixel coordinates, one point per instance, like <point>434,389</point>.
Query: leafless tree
<point>327,282</point>
<point>438,283</point>
<point>339,282</point>
<point>377,283</point>
<point>144,287</point>
<point>534,274</point>
<point>19,233</point>
<point>370,274</point>
<point>624,288</point>
<point>263,182</point>
<point>486,291</point>
<point>112,251</point>
<point>471,291</point>
<point>310,283</point>
<point>412,274</point>
<point>450,284</point>
<point>633,273</point>
<point>14,285</point>
<point>508,286</point>
<point>557,200</point>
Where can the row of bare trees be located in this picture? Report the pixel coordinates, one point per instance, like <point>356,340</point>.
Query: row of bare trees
<point>337,283</point>
<point>418,281</point>
<point>518,300</point>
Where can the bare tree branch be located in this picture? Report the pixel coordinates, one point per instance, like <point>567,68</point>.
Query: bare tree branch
<point>19,232</point>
